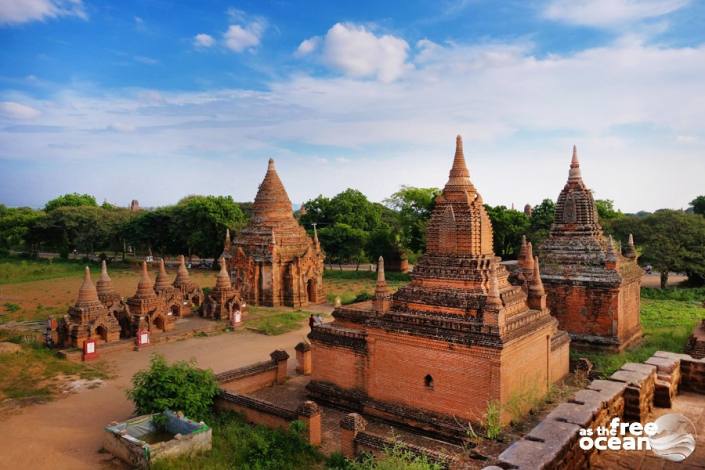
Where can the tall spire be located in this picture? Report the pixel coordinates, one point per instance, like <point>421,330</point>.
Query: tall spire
<point>574,173</point>
<point>104,284</point>
<point>145,287</point>
<point>87,293</point>
<point>222,281</point>
<point>271,202</point>
<point>381,300</point>
<point>630,251</point>
<point>182,276</point>
<point>459,174</point>
<point>162,277</point>
<point>227,240</point>
<point>493,297</point>
<point>536,286</point>
<point>381,281</point>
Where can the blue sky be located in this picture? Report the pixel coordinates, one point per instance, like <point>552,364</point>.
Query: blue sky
<point>154,100</point>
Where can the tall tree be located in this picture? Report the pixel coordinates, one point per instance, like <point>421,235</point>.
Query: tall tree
<point>541,220</point>
<point>343,243</point>
<point>698,205</point>
<point>71,200</point>
<point>509,225</point>
<point>414,206</point>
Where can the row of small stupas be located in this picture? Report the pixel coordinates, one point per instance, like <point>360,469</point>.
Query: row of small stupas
<point>101,313</point>
<point>465,333</point>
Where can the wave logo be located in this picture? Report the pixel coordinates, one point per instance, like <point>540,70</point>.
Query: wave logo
<point>674,439</point>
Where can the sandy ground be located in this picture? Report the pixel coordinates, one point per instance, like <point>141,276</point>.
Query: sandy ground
<point>654,280</point>
<point>67,433</point>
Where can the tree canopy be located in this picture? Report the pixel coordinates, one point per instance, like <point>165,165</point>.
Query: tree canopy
<point>698,205</point>
<point>71,200</point>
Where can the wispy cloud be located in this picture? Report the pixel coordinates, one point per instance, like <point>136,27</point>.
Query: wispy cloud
<point>609,13</point>
<point>24,11</point>
<point>203,40</point>
<point>18,111</point>
<point>519,113</point>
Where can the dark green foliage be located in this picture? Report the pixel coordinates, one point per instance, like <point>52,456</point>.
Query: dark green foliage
<point>698,205</point>
<point>180,386</point>
<point>540,222</point>
<point>238,445</point>
<point>509,225</point>
<point>343,243</point>
<point>71,200</point>
<point>395,457</point>
<point>15,223</point>
<point>414,206</point>
<point>371,275</point>
<point>606,210</point>
<point>674,293</point>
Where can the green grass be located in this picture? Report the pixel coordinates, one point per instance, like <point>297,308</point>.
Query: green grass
<point>237,444</point>
<point>28,374</point>
<point>674,293</point>
<point>667,324</point>
<point>355,286</point>
<point>15,270</point>
<point>273,322</point>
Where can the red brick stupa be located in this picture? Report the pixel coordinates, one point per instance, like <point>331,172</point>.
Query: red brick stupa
<point>147,309</point>
<point>274,261</point>
<point>593,290</point>
<point>459,337</point>
<point>88,318</point>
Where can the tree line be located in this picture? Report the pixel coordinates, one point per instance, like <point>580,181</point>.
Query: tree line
<point>351,228</point>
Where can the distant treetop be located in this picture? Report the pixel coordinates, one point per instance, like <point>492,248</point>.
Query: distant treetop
<point>71,200</point>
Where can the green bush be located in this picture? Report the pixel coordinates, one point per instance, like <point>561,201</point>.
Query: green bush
<point>239,445</point>
<point>674,293</point>
<point>396,457</point>
<point>179,387</point>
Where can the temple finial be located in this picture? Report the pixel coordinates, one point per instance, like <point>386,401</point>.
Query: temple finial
<point>574,173</point>
<point>270,165</point>
<point>459,174</point>
<point>536,287</point>
<point>87,292</point>
<point>493,297</point>
<point>380,271</point>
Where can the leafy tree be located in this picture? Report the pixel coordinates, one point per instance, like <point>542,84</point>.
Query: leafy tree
<point>671,241</point>
<point>15,224</point>
<point>606,210</point>
<point>317,212</point>
<point>343,243</point>
<point>71,200</point>
<point>541,220</point>
<point>383,241</point>
<point>698,205</point>
<point>201,221</point>
<point>509,225</point>
<point>180,386</point>
<point>351,207</point>
<point>414,206</point>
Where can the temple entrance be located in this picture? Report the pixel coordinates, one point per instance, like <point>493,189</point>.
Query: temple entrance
<point>159,323</point>
<point>102,333</point>
<point>311,291</point>
<point>176,310</point>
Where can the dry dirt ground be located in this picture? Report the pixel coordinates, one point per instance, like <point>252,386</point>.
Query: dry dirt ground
<point>67,433</point>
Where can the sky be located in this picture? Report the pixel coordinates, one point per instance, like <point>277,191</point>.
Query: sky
<point>154,100</point>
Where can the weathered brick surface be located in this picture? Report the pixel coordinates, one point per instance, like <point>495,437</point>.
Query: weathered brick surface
<point>456,338</point>
<point>639,393</point>
<point>593,290</point>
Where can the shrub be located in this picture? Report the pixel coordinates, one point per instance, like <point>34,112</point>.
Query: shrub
<point>493,428</point>
<point>396,457</point>
<point>179,387</point>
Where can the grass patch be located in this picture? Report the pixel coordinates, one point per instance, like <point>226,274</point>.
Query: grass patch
<point>667,324</point>
<point>356,286</point>
<point>29,373</point>
<point>11,308</point>
<point>273,322</point>
<point>237,444</point>
<point>674,293</point>
<point>15,270</point>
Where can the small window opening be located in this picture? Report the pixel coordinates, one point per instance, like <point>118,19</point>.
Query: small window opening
<point>428,381</point>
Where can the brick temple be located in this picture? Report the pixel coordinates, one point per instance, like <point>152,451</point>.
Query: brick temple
<point>273,261</point>
<point>458,337</point>
<point>593,289</point>
<point>87,318</point>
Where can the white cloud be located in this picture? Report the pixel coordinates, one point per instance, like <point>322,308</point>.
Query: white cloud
<point>246,34</point>
<point>203,40</point>
<point>23,11</point>
<point>624,105</point>
<point>18,111</point>
<point>609,13</point>
<point>307,46</point>
<point>357,52</point>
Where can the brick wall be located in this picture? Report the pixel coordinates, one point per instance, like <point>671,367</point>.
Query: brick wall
<point>342,366</point>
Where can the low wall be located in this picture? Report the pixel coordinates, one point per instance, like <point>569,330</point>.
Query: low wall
<point>354,440</point>
<point>253,377</point>
<point>237,383</point>
<point>696,342</point>
<point>629,394</point>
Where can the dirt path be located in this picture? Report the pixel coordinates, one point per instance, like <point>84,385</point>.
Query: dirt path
<point>67,433</point>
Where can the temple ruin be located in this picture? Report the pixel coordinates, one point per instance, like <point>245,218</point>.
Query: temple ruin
<point>593,289</point>
<point>457,339</point>
<point>223,301</point>
<point>147,309</point>
<point>171,296</point>
<point>273,261</point>
<point>88,318</point>
<point>113,301</point>
<point>191,292</point>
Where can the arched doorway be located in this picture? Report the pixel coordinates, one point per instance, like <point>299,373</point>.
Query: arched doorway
<point>102,333</point>
<point>159,323</point>
<point>176,310</point>
<point>311,291</point>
